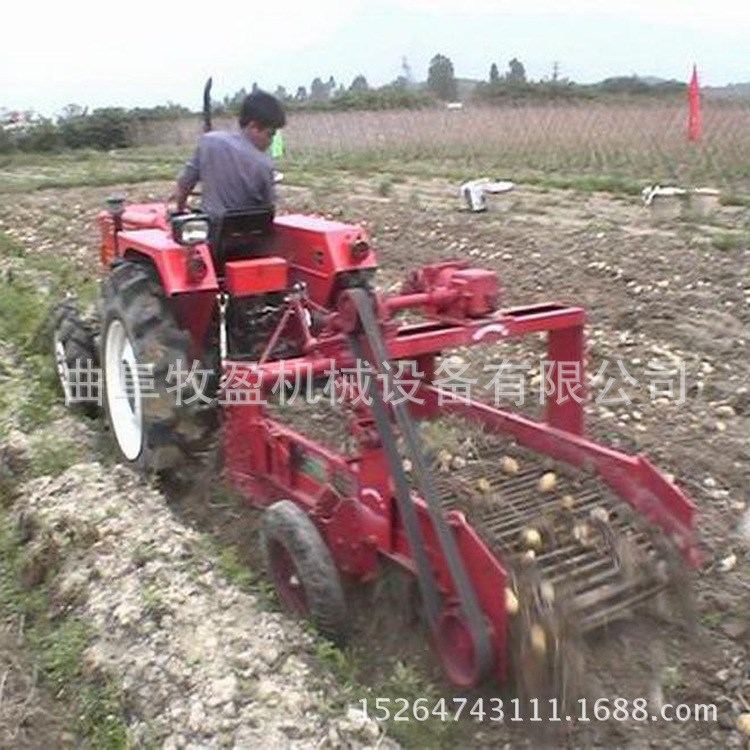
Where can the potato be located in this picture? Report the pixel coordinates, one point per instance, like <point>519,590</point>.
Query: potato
<point>567,502</point>
<point>509,465</point>
<point>511,601</point>
<point>458,462</point>
<point>547,592</point>
<point>743,724</point>
<point>444,460</point>
<point>547,482</point>
<point>538,639</point>
<point>407,465</point>
<point>582,533</point>
<point>599,514</point>
<point>531,539</point>
<point>484,486</point>
<point>529,556</point>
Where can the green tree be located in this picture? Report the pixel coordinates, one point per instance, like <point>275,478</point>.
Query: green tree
<point>71,111</point>
<point>441,79</point>
<point>318,90</point>
<point>359,84</point>
<point>494,74</point>
<point>301,95</point>
<point>234,102</point>
<point>516,72</point>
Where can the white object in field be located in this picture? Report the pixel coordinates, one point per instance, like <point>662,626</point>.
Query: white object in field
<point>473,194</point>
<point>704,201</point>
<point>278,176</point>
<point>664,202</point>
<point>474,190</point>
<point>454,105</point>
<point>655,192</point>
<point>499,186</point>
<point>669,202</point>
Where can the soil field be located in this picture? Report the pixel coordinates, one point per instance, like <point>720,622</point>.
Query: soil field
<point>662,296</point>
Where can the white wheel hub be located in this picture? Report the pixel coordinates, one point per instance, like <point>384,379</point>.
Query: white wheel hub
<point>123,390</point>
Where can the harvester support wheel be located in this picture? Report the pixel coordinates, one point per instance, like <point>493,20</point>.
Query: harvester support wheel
<point>302,569</point>
<point>76,359</point>
<point>455,645</point>
<point>158,419</point>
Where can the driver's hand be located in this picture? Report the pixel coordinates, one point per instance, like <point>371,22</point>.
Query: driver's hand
<point>173,208</point>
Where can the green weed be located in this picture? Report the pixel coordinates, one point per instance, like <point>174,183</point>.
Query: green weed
<point>233,569</point>
<point>725,241</point>
<point>58,646</point>
<point>385,186</point>
<point>53,457</point>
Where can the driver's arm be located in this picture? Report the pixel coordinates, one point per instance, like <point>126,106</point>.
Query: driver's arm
<point>180,195</point>
<point>187,180</point>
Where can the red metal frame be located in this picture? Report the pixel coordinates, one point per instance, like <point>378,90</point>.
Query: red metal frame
<point>352,498</point>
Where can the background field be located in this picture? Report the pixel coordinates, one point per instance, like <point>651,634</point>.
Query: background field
<point>587,145</point>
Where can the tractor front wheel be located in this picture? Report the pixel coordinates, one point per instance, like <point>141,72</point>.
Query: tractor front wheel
<point>302,569</point>
<point>159,417</point>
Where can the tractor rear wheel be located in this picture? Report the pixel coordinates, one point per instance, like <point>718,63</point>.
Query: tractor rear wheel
<point>302,569</point>
<point>76,359</point>
<point>159,417</point>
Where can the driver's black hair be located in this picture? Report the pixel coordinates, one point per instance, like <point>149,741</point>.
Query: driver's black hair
<point>263,108</point>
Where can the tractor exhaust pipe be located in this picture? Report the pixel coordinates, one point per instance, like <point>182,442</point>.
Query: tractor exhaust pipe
<point>207,127</point>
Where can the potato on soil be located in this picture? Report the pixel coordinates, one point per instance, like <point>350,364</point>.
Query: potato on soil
<point>599,514</point>
<point>538,639</point>
<point>531,539</point>
<point>444,460</point>
<point>458,463</point>
<point>509,466</point>
<point>547,482</point>
<point>484,486</point>
<point>567,502</point>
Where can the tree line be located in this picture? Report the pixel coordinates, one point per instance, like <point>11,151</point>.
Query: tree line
<point>442,85</point>
<point>112,127</point>
<point>77,127</point>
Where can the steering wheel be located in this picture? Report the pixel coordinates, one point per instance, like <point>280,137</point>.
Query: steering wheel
<point>192,205</point>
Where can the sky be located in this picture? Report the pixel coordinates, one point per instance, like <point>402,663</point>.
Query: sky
<point>143,53</point>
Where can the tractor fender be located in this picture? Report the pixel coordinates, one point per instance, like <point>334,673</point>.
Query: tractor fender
<point>181,269</point>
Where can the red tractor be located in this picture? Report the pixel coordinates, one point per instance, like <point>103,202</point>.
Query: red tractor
<point>584,534</point>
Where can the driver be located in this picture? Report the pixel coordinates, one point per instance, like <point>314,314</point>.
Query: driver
<point>233,168</point>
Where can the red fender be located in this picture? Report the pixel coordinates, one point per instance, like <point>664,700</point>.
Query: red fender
<point>172,261</point>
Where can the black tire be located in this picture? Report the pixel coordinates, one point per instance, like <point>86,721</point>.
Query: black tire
<point>292,546</point>
<point>74,349</point>
<point>173,434</point>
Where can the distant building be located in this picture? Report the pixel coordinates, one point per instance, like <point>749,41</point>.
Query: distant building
<point>14,120</point>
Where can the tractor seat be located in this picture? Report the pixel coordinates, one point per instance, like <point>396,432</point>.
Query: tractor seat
<point>242,234</point>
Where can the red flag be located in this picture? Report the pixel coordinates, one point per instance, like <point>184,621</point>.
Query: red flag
<point>694,104</point>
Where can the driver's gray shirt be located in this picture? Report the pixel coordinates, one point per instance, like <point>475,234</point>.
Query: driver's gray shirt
<point>234,174</point>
